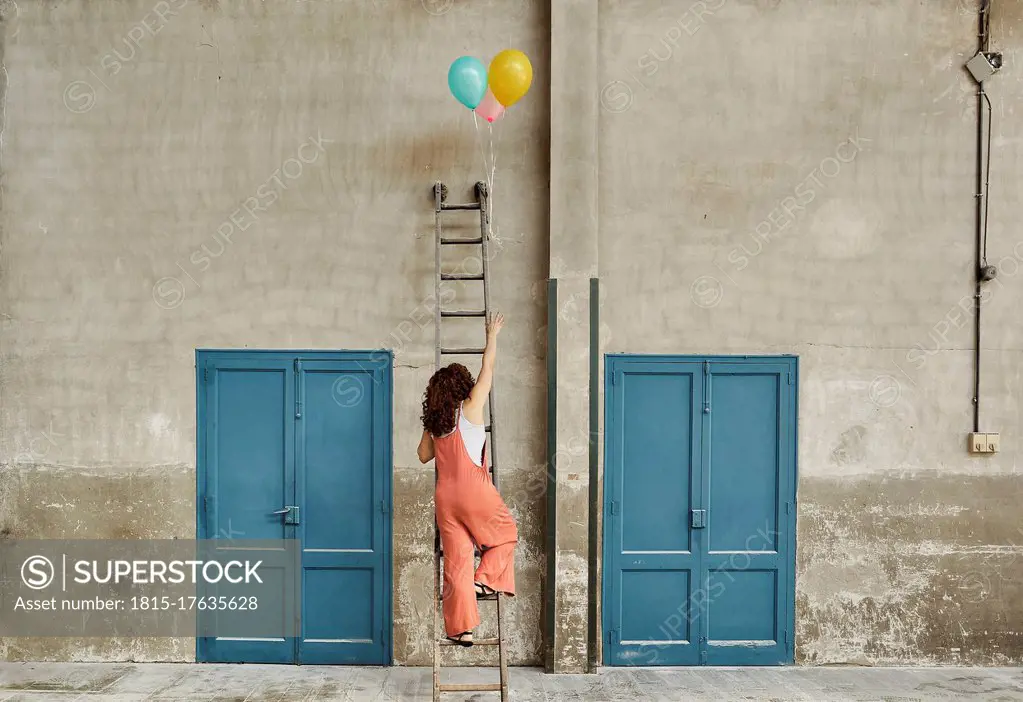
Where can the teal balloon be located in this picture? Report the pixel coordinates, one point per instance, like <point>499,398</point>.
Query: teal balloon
<point>467,79</point>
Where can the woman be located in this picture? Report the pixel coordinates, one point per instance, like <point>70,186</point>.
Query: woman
<point>470,511</point>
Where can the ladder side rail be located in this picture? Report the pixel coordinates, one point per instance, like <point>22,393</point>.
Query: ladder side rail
<point>483,195</point>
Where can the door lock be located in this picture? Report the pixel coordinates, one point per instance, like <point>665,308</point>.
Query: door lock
<point>698,519</point>
<point>290,514</point>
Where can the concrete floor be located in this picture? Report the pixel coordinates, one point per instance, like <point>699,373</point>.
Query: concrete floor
<point>92,682</point>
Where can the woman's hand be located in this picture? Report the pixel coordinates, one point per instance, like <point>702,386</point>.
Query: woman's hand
<point>494,324</point>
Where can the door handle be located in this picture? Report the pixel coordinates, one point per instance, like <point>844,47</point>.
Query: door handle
<point>698,519</point>
<point>290,514</point>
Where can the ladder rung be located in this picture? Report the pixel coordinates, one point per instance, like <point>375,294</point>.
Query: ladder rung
<point>461,351</point>
<point>463,313</point>
<point>469,687</point>
<point>475,642</point>
<point>461,276</point>
<point>449,242</point>
<point>460,206</point>
<point>485,598</point>
<point>440,552</point>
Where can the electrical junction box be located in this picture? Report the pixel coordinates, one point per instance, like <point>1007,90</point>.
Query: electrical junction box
<point>984,65</point>
<point>983,442</point>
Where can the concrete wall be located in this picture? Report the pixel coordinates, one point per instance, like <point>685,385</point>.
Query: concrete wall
<point>121,175</point>
<point>796,177</point>
<point>774,176</point>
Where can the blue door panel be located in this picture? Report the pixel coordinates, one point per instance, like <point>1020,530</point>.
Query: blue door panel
<point>311,431</point>
<point>656,489</point>
<point>333,633</point>
<point>222,651</point>
<point>743,591</point>
<point>278,610</point>
<point>251,449</point>
<point>749,488</point>
<point>699,539</point>
<point>248,473</point>
<point>338,441</point>
<point>652,562</point>
<point>342,485</point>
<point>744,458</point>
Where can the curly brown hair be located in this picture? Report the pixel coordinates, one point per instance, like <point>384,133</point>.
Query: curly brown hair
<point>447,388</point>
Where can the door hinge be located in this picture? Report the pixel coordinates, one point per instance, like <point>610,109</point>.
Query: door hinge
<point>612,636</point>
<point>706,387</point>
<point>383,507</point>
<point>614,508</point>
<point>786,637</point>
<point>790,377</point>
<point>206,374</point>
<point>206,504</point>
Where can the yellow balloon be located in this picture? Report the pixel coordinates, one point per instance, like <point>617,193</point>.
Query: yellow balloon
<point>510,76</point>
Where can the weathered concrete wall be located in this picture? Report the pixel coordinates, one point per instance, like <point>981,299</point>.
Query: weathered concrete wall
<point>775,176</point>
<point>130,238</point>
<point>797,177</point>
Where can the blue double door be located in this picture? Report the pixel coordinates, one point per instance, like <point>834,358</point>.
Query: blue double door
<point>699,526</point>
<point>297,445</point>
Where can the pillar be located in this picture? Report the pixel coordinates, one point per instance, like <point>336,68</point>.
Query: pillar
<point>573,264</point>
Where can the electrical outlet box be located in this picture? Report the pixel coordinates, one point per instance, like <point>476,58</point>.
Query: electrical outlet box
<point>977,442</point>
<point>992,443</point>
<point>983,442</point>
<point>984,65</point>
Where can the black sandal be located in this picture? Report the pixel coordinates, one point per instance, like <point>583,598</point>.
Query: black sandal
<point>485,592</point>
<point>461,640</point>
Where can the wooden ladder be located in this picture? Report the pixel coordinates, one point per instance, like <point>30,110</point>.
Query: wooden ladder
<point>440,192</point>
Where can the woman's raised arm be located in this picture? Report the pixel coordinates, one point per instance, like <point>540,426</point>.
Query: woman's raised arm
<point>478,396</point>
<point>425,449</point>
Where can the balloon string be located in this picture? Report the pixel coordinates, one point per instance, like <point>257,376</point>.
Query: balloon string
<point>483,155</point>
<point>479,139</point>
<point>493,169</point>
<point>498,148</point>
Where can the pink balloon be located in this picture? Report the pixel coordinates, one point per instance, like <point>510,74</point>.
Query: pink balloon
<point>489,108</point>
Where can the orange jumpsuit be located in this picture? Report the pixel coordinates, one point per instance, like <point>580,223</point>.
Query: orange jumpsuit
<point>470,511</point>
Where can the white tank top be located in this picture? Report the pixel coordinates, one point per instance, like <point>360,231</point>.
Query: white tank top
<point>474,436</point>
